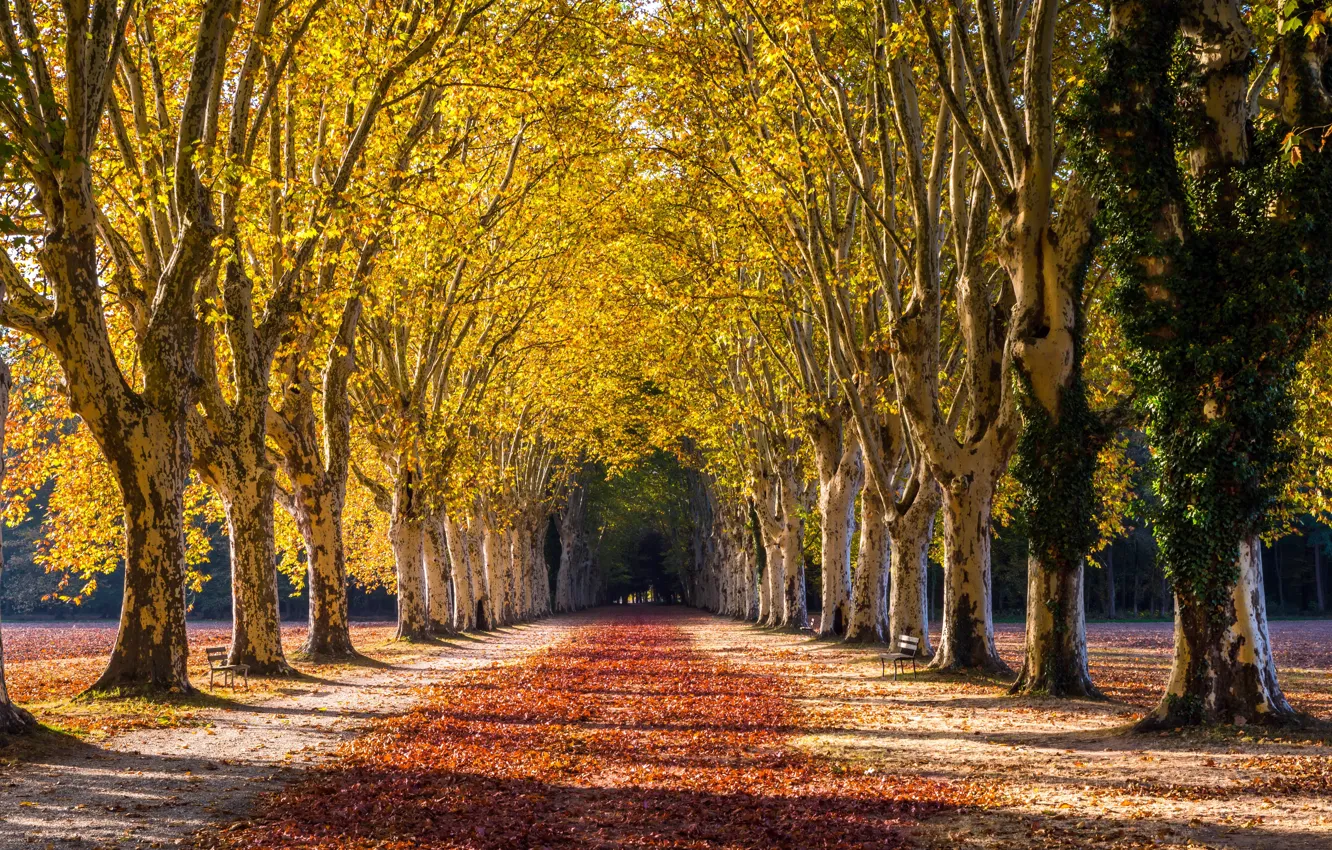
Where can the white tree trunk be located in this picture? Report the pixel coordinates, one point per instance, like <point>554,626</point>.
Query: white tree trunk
<point>794,614</point>
<point>464,611</point>
<point>909,604</point>
<point>438,576</point>
<point>841,475</point>
<point>475,538</point>
<point>1055,658</point>
<point>406,534</point>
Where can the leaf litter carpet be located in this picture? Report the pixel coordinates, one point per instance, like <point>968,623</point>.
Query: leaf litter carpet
<point>623,735</point>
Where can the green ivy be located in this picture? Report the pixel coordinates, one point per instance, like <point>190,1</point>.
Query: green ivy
<point>1214,342</point>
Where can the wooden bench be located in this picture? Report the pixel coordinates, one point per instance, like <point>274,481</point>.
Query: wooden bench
<point>217,663</point>
<point>908,649</point>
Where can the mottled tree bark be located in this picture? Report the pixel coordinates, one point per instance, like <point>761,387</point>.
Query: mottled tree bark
<point>909,605</point>
<point>967,639</point>
<point>1223,670</point>
<point>571,528</point>
<point>841,475</point>
<point>406,534</point>
<point>869,597</point>
<point>1056,645</point>
<point>455,537</point>
<point>438,576</point>
<point>794,613</point>
<point>256,628</point>
<point>151,647</point>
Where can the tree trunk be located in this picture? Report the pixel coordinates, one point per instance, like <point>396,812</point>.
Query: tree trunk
<point>513,592</point>
<point>256,628</point>
<point>1223,670</point>
<point>406,534</point>
<point>12,717</point>
<point>869,597</point>
<point>438,577</point>
<point>496,575</point>
<point>476,534</point>
<point>773,578</point>
<point>151,648</point>
<point>321,527</point>
<point>794,614</point>
<point>571,529</point>
<point>751,578</point>
<point>841,475</point>
<point>764,591</point>
<point>564,578</point>
<point>464,611</point>
<point>1056,646</point>
<point>967,640</point>
<point>911,533</point>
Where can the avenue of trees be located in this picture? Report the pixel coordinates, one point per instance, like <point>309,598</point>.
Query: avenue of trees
<point>386,288</point>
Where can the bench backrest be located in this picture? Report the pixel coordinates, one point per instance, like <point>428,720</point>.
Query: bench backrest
<point>217,656</point>
<point>908,644</point>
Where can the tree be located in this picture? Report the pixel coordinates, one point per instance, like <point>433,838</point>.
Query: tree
<point>138,416</point>
<point>230,431</point>
<point>1219,238</point>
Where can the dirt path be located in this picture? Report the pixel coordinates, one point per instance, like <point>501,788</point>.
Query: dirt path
<point>624,734</point>
<point>1068,774</point>
<point>667,728</point>
<point>159,787</point>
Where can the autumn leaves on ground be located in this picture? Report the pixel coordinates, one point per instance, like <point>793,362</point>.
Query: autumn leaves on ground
<point>651,727</point>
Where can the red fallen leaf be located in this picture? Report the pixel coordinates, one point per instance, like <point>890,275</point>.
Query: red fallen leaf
<point>645,742</point>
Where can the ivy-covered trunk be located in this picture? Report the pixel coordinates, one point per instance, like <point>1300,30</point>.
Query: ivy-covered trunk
<point>1061,436</point>
<point>1223,670</point>
<point>967,639</point>
<point>1219,230</point>
<point>869,595</point>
